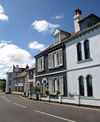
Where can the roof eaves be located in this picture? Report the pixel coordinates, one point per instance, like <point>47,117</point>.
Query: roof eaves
<point>75,35</point>
<point>88,17</point>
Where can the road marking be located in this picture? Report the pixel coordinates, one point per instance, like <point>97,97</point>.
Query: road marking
<point>75,106</point>
<point>20,105</point>
<point>6,99</point>
<point>61,118</point>
<point>24,98</point>
<point>71,106</point>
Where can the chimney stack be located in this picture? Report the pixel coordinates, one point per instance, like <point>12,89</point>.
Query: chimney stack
<point>17,68</point>
<point>77,18</point>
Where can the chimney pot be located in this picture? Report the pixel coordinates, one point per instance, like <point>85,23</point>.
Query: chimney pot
<point>77,18</point>
<point>78,11</point>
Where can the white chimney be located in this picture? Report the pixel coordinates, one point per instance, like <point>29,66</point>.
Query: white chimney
<point>17,68</point>
<point>77,18</point>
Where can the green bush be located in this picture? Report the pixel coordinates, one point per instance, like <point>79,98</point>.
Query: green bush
<point>58,92</point>
<point>36,89</point>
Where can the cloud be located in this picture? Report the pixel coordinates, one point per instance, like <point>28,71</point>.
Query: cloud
<point>3,16</point>
<point>12,54</point>
<point>43,26</point>
<point>58,17</point>
<point>36,45</point>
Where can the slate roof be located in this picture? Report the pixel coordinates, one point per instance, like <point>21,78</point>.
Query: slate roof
<point>89,16</point>
<point>32,67</point>
<point>73,36</point>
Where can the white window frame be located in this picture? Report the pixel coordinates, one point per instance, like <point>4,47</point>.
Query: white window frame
<point>55,59</point>
<point>55,80</point>
<point>57,38</point>
<point>50,60</point>
<point>60,57</point>
<point>40,64</point>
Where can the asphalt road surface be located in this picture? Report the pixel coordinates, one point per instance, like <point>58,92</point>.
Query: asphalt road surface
<point>15,108</point>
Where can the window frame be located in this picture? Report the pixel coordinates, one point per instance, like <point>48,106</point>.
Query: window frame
<point>40,64</point>
<point>56,59</point>
<point>86,49</point>
<point>81,85</point>
<point>57,38</point>
<point>30,73</point>
<point>79,52</point>
<point>56,84</point>
<point>89,86</point>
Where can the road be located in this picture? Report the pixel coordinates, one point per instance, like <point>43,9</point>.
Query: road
<point>15,108</point>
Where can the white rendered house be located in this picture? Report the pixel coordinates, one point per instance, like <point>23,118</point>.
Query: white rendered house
<point>83,60</point>
<point>10,82</point>
<point>12,73</point>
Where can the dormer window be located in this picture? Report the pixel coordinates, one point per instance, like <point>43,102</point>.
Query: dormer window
<point>60,35</point>
<point>57,38</point>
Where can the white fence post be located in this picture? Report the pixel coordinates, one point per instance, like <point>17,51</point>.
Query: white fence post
<point>60,98</point>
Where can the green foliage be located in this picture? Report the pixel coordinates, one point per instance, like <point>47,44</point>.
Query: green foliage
<point>36,89</point>
<point>2,86</point>
<point>58,92</point>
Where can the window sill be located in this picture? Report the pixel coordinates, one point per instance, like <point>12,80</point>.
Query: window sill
<point>85,60</point>
<point>54,68</point>
<point>40,71</point>
<point>87,97</point>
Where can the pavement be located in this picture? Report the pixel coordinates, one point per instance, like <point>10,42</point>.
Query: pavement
<point>14,108</point>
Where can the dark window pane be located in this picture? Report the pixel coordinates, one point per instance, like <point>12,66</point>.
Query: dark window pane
<point>81,86</point>
<point>86,49</point>
<point>31,74</point>
<point>89,86</point>
<point>79,52</point>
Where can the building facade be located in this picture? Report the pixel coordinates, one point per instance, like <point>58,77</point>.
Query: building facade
<point>83,59</point>
<point>12,74</point>
<point>72,64</point>
<point>20,81</point>
<point>51,65</point>
<point>30,82</point>
<point>10,82</point>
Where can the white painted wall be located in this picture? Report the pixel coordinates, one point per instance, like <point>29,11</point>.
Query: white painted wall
<point>71,50</point>
<point>31,80</point>
<point>73,85</point>
<point>71,58</point>
<point>12,86</point>
<point>7,85</point>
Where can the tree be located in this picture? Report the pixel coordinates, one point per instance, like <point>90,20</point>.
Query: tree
<point>2,84</point>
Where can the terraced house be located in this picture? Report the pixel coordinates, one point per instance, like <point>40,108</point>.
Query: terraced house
<point>83,59</point>
<point>72,64</point>
<point>30,82</point>
<point>51,66</point>
<point>15,79</point>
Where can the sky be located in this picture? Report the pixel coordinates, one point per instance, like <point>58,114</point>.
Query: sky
<point>26,27</point>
